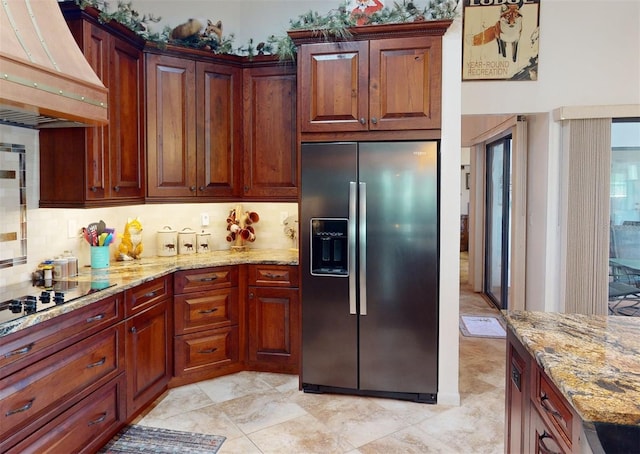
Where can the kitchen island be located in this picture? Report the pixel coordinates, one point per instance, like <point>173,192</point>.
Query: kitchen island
<point>573,383</point>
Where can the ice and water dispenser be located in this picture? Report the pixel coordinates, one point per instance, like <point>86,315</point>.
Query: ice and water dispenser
<point>329,247</point>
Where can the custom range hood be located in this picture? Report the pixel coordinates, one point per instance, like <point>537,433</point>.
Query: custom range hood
<point>45,80</point>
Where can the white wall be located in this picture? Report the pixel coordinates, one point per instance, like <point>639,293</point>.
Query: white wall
<point>589,55</point>
<point>245,19</point>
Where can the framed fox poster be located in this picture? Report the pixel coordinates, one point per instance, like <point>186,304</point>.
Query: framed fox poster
<point>500,39</point>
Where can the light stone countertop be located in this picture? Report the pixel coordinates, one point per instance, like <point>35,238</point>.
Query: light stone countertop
<point>133,273</point>
<point>593,360</point>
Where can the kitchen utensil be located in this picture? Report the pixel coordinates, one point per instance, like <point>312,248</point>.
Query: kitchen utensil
<point>92,230</point>
<point>101,227</point>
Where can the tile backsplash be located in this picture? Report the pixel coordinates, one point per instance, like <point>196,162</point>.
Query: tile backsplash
<point>51,231</point>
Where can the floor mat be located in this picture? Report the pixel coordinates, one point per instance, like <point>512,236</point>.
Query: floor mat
<point>481,326</point>
<point>136,439</point>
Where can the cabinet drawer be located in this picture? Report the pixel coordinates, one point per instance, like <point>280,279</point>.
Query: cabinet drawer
<point>206,310</point>
<point>26,346</point>
<point>205,279</point>
<point>273,275</point>
<point>552,406</point>
<point>146,295</point>
<point>85,427</point>
<point>206,349</point>
<point>68,374</point>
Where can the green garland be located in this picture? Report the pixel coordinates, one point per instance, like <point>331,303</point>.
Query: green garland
<point>335,23</point>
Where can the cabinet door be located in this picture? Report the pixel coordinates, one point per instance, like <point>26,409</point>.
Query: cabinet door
<point>542,440</point>
<point>274,329</point>
<point>270,132</point>
<point>97,44</point>
<point>219,127</point>
<point>405,83</point>
<point>335,81</point>
<point>517,400</point>
<point>148,356</point>
<point>171,136</point>
<point>126,122</point>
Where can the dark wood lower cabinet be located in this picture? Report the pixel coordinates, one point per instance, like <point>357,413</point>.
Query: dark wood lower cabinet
<point>148,356</point>
<point>538,419</point>
<point>85,427</point>
<point>69,386</point>
<point>273,329</point>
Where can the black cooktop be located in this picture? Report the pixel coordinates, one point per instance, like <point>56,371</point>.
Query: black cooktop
<point>20,300</point>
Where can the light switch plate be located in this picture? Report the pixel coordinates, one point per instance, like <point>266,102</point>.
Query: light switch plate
<point>204,219</point>
<point>72,228</point>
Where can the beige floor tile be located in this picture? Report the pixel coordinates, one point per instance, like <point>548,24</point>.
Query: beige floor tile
<point>411,440</point>
<point>266,413</point>
<point>233,386</point>
<point>258,411</point>
<point>240,445</point>
<point>207,420</point>
<point>304,434</point>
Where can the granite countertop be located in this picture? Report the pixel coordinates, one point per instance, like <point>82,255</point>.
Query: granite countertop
<point>135,272</point>
<point>593,360</point>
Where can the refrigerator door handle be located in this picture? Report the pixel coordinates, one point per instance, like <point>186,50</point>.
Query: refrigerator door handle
<point>362,262</point>
<point>352,246</point>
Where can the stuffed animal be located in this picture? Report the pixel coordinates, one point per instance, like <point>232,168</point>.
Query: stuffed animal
<point>197,27</point>
<point>131,246</point>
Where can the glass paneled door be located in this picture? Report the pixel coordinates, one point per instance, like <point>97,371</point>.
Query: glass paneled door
<point>497,221</point>
<point>624,220</point>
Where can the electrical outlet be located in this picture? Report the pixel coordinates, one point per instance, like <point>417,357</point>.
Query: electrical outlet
<point>72,228</point>
<point>283,215</point>
<point>204,219</point>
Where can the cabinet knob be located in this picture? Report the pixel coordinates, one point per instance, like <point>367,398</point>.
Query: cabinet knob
<point>374,120</point>
<point>116,188</point>
<point>94,189</point>
<point>363,121</point>
<point>192,188</point>
<point>201,188</point>
<point>251,295</point>
<point>246,188</point>
<point>133,330</point>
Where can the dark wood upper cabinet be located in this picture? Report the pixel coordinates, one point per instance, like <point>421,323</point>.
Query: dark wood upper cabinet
<point>385,82</point>
<point>171,117</point>
<point>100,166</point>
<point>194,127</point>
<point>270,141</point>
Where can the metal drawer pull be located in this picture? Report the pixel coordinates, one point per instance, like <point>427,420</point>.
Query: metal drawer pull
<point>20,351</point>
<point>548,407</point>
<point>95,318</point>
<point>97,363</point>
<point>274,276</point>
<point>98,420</point>
<point>209,350</point>
<point>209,279</point>
<point>150,294</point>
<point>542,447</point>
<point>21,409</point>
<point>208,311</point>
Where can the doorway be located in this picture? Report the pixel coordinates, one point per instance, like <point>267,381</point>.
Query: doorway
<point>497,220</point>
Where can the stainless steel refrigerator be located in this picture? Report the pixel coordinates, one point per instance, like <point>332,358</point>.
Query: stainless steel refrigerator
<point>369,263</point>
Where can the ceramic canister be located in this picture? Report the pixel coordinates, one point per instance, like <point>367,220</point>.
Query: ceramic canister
<point>186,241</point>
<point>167,242</point>
<point>203,242</point>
